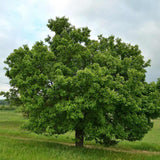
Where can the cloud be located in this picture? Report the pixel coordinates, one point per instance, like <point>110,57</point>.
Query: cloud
<point>135,21</point>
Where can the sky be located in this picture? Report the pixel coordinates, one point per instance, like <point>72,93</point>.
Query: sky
<point>134,21</point>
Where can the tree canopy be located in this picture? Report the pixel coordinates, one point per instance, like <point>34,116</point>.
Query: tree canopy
<point>95,87</point>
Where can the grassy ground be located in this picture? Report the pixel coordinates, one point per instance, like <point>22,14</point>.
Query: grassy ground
<point>17,144</point>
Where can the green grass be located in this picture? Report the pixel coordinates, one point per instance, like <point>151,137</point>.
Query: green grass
<point>18,144</point>
<point>33,150</point>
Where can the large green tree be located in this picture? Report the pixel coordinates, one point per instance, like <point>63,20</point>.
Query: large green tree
<point>95,87</point>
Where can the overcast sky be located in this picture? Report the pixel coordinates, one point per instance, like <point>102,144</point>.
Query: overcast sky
<point>134,21</point>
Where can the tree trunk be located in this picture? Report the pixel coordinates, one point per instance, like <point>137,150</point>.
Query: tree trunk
<point>79,138</point>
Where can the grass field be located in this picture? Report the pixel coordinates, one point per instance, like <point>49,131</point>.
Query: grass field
<point>17,144</point>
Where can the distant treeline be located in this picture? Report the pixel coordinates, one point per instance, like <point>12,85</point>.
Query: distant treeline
<point>3,102</point>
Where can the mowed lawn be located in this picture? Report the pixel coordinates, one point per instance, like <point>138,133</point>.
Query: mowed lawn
<point>18,144</point>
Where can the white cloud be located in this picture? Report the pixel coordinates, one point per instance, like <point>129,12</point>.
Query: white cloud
<point>5,24</point>
<point>135,21</point>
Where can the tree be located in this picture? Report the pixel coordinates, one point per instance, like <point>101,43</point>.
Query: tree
<point>3,102</point>
<point>95,87</point>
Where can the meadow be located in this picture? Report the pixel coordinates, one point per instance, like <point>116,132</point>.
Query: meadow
<point>18,144</point>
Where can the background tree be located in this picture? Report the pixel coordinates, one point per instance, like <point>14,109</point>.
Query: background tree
<point>3,102</point>
<point>95,87</point>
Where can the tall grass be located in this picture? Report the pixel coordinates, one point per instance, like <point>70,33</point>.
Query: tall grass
<point>11,149</point>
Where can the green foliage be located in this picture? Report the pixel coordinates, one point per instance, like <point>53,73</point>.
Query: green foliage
<point>6,107</point>
<point>3,102</point>
<point>94,86</point>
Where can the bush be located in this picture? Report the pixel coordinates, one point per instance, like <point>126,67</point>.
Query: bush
<point>7,107</point>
